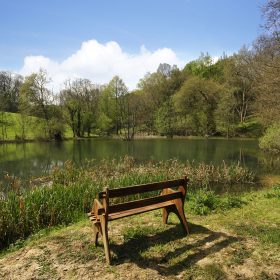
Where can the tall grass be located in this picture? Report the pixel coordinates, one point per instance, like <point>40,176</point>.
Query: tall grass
<point>67,193</point>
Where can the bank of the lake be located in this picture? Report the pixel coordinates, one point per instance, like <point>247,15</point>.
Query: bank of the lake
<point>67,193</point>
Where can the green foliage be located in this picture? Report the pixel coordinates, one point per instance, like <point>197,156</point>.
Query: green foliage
<point>165,118</point>
<point>203,67</point>
<point>197,98</point>
<point>271,140</point>
<point>249,128</point>
<point>204,201</point>
<point>274,192</point>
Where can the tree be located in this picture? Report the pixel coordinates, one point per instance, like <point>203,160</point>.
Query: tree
<point>117,90</point>
<point>128,111</point>
<point>166,69</point>
<point>198,98</point>
<point>225,113</point>
<point>154,91</point>
<point>271,13</point>
<point>80,100</point>
<point>9,91</point>
<point>238,73</point>
<point>165,119</point>
<point>106,112</point>
<point>203,67</point>
<point>267,65</point>
<point>38,98</point>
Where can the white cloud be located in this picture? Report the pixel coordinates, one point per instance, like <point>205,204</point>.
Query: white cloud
<point>100,62</point>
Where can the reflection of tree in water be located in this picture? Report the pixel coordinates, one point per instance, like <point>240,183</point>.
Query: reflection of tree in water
<point>270,163</point>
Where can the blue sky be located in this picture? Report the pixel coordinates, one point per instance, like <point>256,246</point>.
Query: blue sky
<point>57,29</point>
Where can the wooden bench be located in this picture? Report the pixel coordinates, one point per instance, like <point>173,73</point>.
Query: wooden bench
<point>169,199</point>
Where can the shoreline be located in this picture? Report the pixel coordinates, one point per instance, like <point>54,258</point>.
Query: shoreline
<point>115,137</point>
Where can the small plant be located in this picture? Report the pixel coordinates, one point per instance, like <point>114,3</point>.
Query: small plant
<point>275,192</point>
<point>231,201</point>
<point>203,201</point>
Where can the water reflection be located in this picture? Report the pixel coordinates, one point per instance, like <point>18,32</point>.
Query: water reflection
<point>33,159</point>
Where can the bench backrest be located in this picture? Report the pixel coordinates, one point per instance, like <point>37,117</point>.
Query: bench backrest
<point>120,192</point>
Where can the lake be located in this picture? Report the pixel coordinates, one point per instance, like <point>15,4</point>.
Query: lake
<point>33,159</point>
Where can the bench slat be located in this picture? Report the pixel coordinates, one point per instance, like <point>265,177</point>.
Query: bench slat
<point>115,216</point>
<point>143,202</point>
<point>144,188</point>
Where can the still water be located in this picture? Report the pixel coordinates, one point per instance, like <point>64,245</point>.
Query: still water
<point>33,159</point>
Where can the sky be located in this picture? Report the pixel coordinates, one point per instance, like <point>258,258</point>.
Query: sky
<point>97,39</point>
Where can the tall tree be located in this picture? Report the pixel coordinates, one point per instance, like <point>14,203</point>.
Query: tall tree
<point>9,91</point>
<point>35,92</point>
<point>197,98</point>
<point>115,91</point>
<point>267,65</point>
<point>80,100</point>
<point>238,74</point>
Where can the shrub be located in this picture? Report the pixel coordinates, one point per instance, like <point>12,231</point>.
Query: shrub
<point>249,128</point>
<point>275,192</point>
<point>271,140</point>
<point>204,201</point>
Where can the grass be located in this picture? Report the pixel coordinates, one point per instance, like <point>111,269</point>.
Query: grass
<point>220,246</point>
<point>69,191</point>
<point>12,131</point>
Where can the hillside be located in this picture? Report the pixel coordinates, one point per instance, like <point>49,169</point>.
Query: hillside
<point>13,126</point>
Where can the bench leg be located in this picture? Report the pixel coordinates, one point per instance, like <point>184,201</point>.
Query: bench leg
<point>165,214</point>
<point>179,211</point>
<point>104,228</point>
<point>96,229</point>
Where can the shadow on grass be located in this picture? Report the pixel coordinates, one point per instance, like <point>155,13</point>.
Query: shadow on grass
<point>184,251</point>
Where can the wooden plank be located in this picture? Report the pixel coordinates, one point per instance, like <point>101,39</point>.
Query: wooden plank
<point>144,188</point>
<point>123,214</point>
<point>143,202</point>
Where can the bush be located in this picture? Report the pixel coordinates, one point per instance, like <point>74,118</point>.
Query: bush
<point>204,201</point>
<point>249,128</point>
<point>271,140</point>
<point>275,192</point>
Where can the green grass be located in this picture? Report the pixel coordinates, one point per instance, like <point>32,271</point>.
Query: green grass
<point>257,218</point>
<point>12,131</point>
